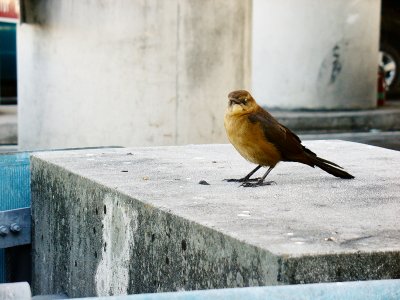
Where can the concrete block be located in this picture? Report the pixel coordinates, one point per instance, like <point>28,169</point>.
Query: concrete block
<point>136,220</point>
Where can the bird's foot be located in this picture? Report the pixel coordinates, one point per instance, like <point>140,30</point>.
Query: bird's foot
<point>244,179</point>
<point>258,183</point>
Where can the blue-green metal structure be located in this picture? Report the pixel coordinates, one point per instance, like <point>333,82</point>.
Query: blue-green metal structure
<point>14,189</point>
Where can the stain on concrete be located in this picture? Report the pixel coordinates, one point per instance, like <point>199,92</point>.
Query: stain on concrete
<point>331,66</point>
<point>336,64</point>
<point>118,227</point>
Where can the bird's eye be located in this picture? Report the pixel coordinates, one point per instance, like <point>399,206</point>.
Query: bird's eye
<point>245,100</point>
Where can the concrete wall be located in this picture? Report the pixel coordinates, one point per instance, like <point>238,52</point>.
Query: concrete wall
<point>315,54</point>
<point>127,73</point>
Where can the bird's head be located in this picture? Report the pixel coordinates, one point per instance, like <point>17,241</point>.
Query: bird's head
<point>241,102</point>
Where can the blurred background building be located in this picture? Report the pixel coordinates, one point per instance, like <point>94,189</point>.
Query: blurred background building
<point>153,72</point>
<point>129,72</point>
<point>9,15</point>
<point>316,54</point>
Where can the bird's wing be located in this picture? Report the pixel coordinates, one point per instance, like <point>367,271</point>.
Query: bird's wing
<point>288,143</point>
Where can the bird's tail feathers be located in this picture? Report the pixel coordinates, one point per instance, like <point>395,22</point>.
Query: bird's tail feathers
<point>329,162</point>
<point>331,168</point>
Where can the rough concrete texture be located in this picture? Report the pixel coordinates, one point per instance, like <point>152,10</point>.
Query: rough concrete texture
<point>135,220</point>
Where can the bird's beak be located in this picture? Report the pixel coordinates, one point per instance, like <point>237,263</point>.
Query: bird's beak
<point>233,101</point>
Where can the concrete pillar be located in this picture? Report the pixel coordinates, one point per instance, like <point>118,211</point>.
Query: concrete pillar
<point>121,72</point>
<point>315,54</point>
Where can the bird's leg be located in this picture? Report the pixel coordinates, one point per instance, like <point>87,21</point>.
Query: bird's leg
<point>260,182</point>
<point>247,177</point>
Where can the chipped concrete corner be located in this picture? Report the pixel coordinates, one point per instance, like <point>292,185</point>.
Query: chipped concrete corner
<point>94,241</point>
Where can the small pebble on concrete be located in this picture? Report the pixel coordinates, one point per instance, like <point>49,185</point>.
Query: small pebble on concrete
<point>203,182</point>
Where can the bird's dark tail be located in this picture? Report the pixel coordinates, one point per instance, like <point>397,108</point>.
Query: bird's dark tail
<point>331,168</point>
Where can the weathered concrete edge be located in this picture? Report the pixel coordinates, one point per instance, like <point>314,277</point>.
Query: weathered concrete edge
<point>179,254</point>
<point>340,267</point>
<point>356,290</point>
<point>365,120</point>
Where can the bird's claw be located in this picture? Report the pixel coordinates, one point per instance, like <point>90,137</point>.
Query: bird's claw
<point>242,179</point>
<point>256,184</point>
<point>233,180</point>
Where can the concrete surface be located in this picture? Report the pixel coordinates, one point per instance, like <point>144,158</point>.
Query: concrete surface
<point>315,54</point>
<point>383,118</point>
<point>95,73</point>
<point>8,148</point>
<point>51,297</point>
<point>8,125</point>
<point>359,290</point>
<point>135,220</point>
<point>15,291</point>
<point>389,140</point>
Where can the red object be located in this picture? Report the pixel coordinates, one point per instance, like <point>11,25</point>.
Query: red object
<point>381,88</point>
<point>9,10</point>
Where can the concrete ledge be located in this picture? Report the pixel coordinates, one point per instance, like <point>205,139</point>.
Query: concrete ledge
<point>359,290</point>
<point>15,291</point>
<point>390,140</point>
<point>124,221</point>
<point>384,118</point>
<point>8,125</point>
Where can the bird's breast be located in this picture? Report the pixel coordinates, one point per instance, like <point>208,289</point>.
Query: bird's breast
<point>249,140</point>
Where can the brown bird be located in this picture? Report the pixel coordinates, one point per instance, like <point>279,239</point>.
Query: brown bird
<point>262,140</point>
